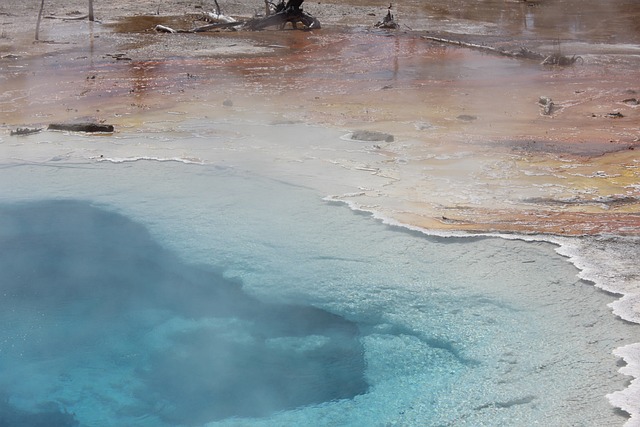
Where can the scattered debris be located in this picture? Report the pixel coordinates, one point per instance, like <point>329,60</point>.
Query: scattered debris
<point>561,60</point>
<point>525,53</point>
<point>615,115</point>
<point>25,131</point>
<point>277,15</point>
<point>82,127</point>
<point>547,105</point>
<point>118,56</point>
<point>388,21</point>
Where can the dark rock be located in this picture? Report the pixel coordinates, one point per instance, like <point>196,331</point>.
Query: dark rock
<point>466,117</point>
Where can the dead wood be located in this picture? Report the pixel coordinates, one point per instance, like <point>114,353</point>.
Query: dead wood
<point>25,131</point>
<point>281,18</point>
<point>89,127</point>
<point>522,53</point>
<point>388,21</point>
<point>214,26</point>
<point>215,18</point>
<point>66,18</point>
<point>558,59</point>
<point>164,29</point>
<point>39,19</point>
<point>277,15</point>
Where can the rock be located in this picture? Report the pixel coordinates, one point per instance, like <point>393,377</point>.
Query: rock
<point>466,117</point>
<point>547,105</point>
<point>369,135</point>
<point>81,127</point>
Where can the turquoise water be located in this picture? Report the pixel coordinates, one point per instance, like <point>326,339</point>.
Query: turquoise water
<point>162,294</point>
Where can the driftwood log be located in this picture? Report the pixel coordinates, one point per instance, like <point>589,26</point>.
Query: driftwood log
<point>25,131</point>
<point>82,127</point>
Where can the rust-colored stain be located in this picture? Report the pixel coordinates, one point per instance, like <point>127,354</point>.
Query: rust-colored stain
<point>430,96</point>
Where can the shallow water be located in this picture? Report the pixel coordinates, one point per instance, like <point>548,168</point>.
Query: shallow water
<point>432,330</point>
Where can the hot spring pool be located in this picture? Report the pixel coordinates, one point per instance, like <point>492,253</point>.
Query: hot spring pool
<point>165,294</point>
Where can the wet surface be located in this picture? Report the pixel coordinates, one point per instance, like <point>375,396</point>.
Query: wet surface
<point>201,349</point>
<point>437,99</point>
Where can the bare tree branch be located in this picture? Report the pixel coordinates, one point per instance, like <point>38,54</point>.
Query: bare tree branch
<point>91,18</point>
<point>39,19</point>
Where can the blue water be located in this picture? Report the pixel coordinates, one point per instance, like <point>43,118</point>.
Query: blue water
<point>86,280</point>
<point>164,294</point>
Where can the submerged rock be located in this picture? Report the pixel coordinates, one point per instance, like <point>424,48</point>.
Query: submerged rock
<point>466,117</point>
<point>370,135</point>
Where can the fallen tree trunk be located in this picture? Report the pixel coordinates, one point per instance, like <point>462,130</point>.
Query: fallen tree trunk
<point>39,19</point>
<point>82,127</point>
<point>208,27</point>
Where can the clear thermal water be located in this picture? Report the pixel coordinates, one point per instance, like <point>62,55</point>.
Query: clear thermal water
<point>161,293</point>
